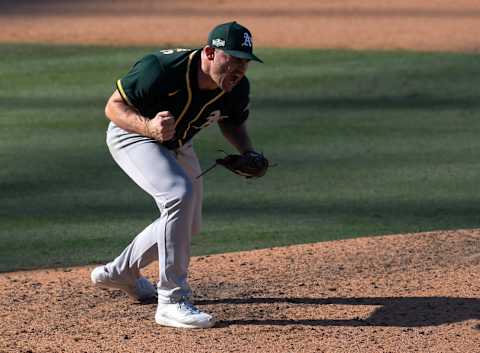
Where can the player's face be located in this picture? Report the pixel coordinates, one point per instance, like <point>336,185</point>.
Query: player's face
<point>227,70</point>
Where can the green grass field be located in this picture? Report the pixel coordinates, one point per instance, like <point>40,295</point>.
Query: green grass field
<point>365,142</point>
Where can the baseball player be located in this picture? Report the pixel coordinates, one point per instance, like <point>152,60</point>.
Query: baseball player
<point>158,106</point>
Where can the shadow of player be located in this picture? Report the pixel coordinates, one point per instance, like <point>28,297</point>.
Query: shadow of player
<point>391,311</point>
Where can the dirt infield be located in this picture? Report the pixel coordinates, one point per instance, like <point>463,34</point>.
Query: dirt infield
<point>397,294</point>
<point>403,293</point>
<point>443,25</point>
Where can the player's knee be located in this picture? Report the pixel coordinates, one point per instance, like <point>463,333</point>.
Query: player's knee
<point>180,194</point>
<point>185,192</point>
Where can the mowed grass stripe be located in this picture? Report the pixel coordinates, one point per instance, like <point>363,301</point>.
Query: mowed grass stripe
<point>365,143</point>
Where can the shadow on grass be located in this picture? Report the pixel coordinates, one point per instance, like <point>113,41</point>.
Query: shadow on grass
<point>391,311</point>
<point>448,213</point>
<point>413,101</point>
<point>419,102</point>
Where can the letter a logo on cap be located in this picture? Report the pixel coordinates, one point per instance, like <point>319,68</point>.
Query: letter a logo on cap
<point>247,40</point>
<point>233,39</point>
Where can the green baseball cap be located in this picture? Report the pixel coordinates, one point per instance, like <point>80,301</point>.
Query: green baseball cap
<point>233,39</point>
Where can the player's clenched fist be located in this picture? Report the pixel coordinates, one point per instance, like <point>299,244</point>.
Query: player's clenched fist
<point>161,128</point>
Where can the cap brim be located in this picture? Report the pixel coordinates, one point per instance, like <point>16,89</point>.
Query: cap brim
<point>242,55</point>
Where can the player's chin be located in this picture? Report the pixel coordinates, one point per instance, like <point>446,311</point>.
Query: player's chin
<point>228,85</point>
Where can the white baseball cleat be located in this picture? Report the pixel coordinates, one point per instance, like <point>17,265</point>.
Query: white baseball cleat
<point>143,290</point>
<point>182,314</point>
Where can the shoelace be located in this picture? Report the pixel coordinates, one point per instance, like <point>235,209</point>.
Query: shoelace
<point>185,304</point>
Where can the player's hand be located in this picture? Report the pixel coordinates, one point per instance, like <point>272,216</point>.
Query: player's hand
<point>162,127</point>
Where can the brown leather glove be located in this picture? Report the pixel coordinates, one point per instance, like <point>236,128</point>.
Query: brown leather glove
<point>249,164</point>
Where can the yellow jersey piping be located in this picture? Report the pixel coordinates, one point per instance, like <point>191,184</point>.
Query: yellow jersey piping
<point>122,93</point>
<point>189,90</point>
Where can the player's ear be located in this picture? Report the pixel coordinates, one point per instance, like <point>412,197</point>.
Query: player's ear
<point>210,52</point>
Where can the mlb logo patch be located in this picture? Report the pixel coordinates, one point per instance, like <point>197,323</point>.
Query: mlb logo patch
<point>218,42</point>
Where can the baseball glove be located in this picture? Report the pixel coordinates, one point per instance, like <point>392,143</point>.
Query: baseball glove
<point>249,164</point>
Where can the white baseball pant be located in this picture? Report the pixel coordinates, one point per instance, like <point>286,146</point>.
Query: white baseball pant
<point>169,177</point>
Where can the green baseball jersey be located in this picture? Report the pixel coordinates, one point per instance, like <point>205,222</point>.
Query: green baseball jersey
<point>167,80</point>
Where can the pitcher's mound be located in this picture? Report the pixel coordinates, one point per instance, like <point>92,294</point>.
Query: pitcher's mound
<point>406,293</point>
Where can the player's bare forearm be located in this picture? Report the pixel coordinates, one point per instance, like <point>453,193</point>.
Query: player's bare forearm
<point>160,128</point>
<point>125,116</point>
<point>237,136</point>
